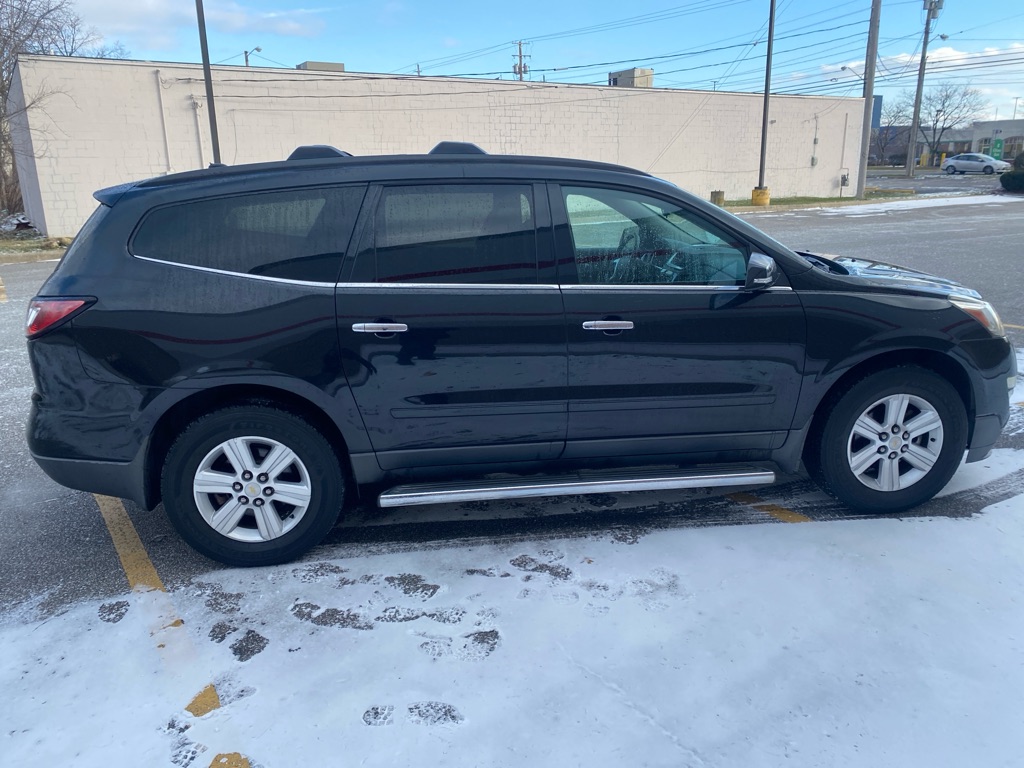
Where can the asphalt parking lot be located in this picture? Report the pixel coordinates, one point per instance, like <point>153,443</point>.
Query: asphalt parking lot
<point>932,181</point>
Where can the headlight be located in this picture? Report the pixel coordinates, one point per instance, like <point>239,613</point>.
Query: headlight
<point>981,311</point>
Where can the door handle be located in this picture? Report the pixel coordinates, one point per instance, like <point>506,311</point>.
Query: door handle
<point>608,325</point>
<point>380,327</point>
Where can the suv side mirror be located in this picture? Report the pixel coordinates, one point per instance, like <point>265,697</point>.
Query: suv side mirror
<point>761,272</point>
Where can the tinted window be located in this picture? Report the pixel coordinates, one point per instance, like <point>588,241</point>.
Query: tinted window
<point>629,238</point>
<point>297,234</point>
<point>450,233</point>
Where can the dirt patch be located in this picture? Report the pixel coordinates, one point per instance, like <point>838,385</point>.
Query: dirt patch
<point>413,585</point>
<point>318,572</point>
<point>330,617</point>
<point>434,713</point>
<point>217,599</point>
<point>248,645</point>
<point>220,631</point>
<point>395,615</point>
<point>113,612</point>
<point>380,715</point>
<point>527,563</point>
<point>484,642</point>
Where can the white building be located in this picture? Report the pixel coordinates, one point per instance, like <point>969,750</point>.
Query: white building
<point>100,122</point>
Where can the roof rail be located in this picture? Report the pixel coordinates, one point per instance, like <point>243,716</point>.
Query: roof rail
<point>317,152</point>
<point>456,148</point>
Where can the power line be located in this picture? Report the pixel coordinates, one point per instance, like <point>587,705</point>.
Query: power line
<point>680,55</point>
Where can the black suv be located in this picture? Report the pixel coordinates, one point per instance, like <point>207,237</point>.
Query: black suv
<point>258,345</point>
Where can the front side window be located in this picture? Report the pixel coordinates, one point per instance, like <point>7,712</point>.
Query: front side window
<point>456,233</point>
<point>295,234</point>
<point>629,238</point>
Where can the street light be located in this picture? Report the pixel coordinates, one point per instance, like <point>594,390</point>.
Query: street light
<point>851,69</point>
<point>257,49</point>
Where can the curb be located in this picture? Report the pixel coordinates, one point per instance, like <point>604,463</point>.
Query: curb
<point>25,257</point>
<point>837,203</point>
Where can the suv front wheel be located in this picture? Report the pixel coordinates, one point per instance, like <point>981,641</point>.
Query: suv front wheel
<point>891,441</point>
<point>252,485</point>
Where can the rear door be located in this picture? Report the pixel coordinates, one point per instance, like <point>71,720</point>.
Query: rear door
<point>453,338</point>
<point>668,352</point>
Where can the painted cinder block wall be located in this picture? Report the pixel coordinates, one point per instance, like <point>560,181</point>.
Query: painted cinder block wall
<point>98,123</point>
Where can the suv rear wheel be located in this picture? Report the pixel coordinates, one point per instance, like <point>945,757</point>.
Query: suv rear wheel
<point>891,441</point>
<point>252,485</point>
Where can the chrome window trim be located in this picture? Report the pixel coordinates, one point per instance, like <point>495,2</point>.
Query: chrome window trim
<point>229,273</point>
<point>486,287</point>
<point>617,288</point>
<point>631,288</point>
<point>545,287</point>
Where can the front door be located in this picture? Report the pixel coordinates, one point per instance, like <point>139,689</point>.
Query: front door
<point>453,346</point>
<point>668,352</point>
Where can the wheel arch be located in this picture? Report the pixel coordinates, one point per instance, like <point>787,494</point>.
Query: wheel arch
<point>937,362</point>
<point>204,401</point>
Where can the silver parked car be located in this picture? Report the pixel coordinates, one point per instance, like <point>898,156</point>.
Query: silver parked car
<point>974,163</point>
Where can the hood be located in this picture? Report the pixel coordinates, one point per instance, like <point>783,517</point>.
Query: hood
<point>885,275</point>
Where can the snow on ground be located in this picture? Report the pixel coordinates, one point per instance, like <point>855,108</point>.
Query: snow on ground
<point>882,209</point>
<point>853,643</point>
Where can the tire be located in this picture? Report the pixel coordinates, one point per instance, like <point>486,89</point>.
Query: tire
<point>212,475</point>
<point>951,170</point>
<point>842,455</point>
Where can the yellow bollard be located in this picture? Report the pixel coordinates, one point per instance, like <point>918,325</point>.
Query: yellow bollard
<point>718,197</point>
<point>760,196</point>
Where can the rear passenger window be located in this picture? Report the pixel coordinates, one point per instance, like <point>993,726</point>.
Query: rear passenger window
<point>468,233</point>
<point>297,234</point>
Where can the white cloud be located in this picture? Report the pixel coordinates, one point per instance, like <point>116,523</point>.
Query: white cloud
<point>157,24</point>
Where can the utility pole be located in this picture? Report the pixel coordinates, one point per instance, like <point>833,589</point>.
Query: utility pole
<point>869,94</point>
<point>520,69</point>
<point>932,7</point>
<point>1015,100</point>
<point>760,195</point>
<point>208,77</point>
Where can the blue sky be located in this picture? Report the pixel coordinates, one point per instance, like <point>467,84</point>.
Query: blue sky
<point>700,44</point>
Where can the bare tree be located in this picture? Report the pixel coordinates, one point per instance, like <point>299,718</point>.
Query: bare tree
<point>37,26</point>
<point>947,106</point>
<point>891,135</point>
<point>74,38</point>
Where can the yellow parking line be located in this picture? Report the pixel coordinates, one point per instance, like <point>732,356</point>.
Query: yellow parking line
<point>168,629</point>
<point>3,291</point>
<point>141,573</point>
<point>1005,325</point>
<point>779,513</point>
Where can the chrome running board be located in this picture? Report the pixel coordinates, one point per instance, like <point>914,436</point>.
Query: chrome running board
<point>572,485</point>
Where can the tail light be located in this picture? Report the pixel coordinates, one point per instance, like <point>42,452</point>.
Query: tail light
<point>46,314</point>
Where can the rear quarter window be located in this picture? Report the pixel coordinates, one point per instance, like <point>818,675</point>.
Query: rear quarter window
<point>293,234</point>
